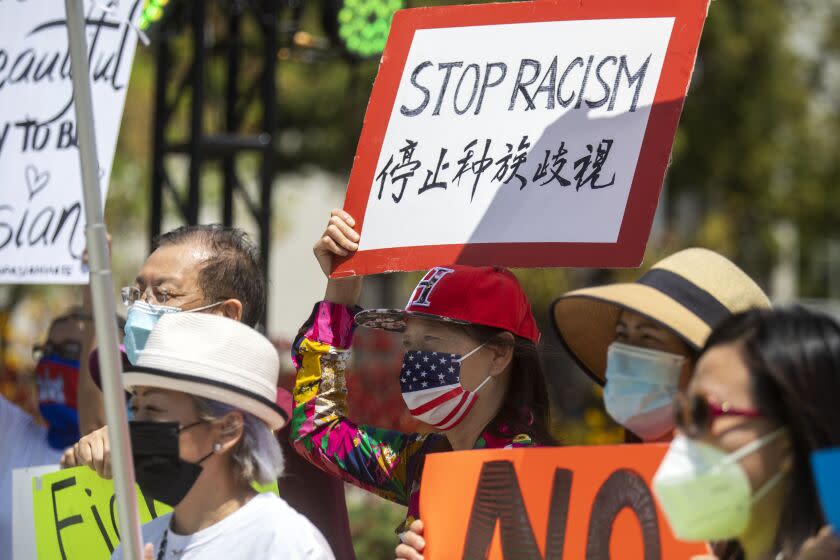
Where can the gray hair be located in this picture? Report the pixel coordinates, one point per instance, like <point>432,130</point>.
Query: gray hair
<point>257,455</point>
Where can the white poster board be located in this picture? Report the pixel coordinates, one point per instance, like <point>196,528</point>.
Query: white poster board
<point>24,545</point>
<point>41,212</point>
<point>506,100</point>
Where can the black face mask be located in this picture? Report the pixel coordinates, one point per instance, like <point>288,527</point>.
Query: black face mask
<point>158,467</point>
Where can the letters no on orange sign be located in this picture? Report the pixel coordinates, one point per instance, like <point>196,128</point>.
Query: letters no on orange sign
<point>547,504</point>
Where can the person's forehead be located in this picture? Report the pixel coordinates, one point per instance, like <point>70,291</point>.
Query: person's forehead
<point>67,329</point>
<point>420,325</point>
<point>632,318</point>
<point>722,373</point>
<point>175,404</point>
<point>144,392</point>
<point>176,264</point>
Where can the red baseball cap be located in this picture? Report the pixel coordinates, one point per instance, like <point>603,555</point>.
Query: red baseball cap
<point>488,295</point>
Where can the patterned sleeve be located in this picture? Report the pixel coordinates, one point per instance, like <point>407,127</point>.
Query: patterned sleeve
<point>373,459</point>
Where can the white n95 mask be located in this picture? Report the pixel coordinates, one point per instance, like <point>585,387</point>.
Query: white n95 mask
<point>705,492</point>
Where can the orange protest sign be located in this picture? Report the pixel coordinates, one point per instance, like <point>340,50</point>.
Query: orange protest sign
<point>547,504</point>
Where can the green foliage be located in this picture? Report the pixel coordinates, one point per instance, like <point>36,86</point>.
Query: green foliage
<point>372,525</point>
<point>750,146</point>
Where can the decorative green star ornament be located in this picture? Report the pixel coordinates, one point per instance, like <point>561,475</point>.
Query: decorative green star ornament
<point>363,25</point>
<point>152,12</point>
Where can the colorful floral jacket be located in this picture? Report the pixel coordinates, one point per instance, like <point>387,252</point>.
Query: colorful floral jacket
<point>386,462</point>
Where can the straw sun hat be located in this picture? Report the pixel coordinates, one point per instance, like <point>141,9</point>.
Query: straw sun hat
<point>212,357</point>
<point>688,293</point>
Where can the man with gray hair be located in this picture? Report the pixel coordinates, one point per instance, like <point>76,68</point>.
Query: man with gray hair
<point>209,268</point>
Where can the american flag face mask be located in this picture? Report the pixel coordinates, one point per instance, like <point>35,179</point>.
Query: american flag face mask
<point>431,387</point>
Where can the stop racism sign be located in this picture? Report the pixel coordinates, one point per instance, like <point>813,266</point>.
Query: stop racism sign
<point>525,134</point>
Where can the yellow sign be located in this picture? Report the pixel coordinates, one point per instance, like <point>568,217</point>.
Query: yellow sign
<point>76,514</point>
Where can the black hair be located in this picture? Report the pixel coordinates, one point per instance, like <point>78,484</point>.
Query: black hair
<point>232,271</point>
<point>793,357</point>
<point>525,408</point>
<point>78,314</point>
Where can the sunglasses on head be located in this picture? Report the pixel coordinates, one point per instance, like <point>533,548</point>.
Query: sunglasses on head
<point>694,415</point>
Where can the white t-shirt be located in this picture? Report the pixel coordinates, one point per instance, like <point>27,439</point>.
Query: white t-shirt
<point>24,444</point>
<point>265,527</point>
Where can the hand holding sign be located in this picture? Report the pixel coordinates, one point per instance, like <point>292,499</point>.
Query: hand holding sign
<point>413,543</point>
<point>339,240</point>
<point>825,545</point>
<point>93,451</point>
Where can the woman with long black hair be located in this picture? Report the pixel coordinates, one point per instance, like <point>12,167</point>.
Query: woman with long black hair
<point>762,399</point>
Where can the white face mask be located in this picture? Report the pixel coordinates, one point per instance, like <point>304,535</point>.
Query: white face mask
<point>641,386</point>
<point>704,492</point>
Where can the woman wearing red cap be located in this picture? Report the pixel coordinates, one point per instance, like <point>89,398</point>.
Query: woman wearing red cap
<point>471,370</point>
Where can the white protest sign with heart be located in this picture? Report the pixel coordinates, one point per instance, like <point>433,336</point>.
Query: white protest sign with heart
<point>41,214</point>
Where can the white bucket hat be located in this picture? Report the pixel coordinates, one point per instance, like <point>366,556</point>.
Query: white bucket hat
<point>212,357</point>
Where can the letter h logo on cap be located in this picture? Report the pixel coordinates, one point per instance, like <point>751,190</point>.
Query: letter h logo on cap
<point>424,288</point>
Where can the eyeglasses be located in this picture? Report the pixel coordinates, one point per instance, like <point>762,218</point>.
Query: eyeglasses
<point>130,294</point>
<point>68,350</point>
<point>694,415</point>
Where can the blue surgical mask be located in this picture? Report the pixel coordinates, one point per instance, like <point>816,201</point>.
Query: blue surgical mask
<point>141,319</point>
<point>640,390</point>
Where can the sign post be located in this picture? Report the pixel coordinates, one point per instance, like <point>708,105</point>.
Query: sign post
<point>102,289</point>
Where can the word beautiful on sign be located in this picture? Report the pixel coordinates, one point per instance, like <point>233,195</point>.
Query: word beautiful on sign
<point>41,214</point>
<point>587,502</point>
<point>522,134</point>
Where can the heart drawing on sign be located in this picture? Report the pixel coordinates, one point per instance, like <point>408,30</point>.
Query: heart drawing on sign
<point>35,180</point>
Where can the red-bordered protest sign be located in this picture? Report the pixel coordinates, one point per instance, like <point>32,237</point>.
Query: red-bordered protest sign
<point>526,134</point>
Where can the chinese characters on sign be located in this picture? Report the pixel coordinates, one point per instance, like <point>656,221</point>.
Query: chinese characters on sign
<point>586,171</point>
